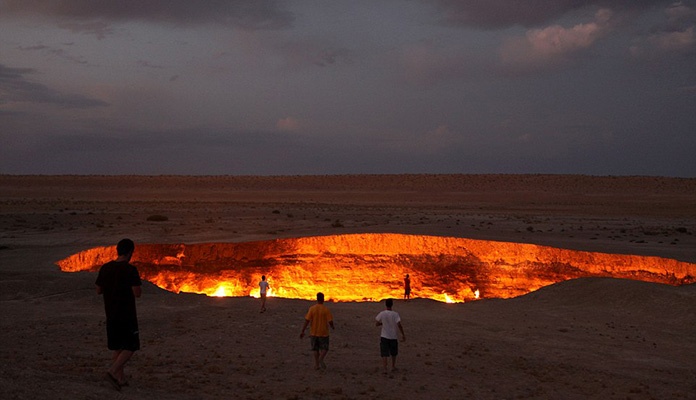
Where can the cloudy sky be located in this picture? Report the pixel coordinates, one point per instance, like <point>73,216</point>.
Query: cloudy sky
<point>260,87</point>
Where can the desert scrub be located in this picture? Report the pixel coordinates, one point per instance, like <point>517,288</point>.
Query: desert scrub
<point>158,218</point>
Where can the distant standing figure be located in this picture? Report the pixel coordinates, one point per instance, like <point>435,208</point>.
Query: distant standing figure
<point>320,319</point>
<point>390,321</point>
<point>263,286</point>
<point>119,282</point>
<point>407,287</point>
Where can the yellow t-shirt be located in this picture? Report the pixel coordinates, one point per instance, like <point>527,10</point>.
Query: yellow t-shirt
<point>319,317</point>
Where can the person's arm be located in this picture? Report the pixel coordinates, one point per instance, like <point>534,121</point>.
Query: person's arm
<point>137,290</point>
<point>306,322</point>
<point>401,328</point>
<point>331,324</point>
<point>100,290</point>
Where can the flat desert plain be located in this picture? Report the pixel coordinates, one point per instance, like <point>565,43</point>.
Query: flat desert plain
<point>592,338</point>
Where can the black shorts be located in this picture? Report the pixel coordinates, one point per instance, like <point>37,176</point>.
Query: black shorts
<point>319,342</point>
<point>388,347</point>
<point>122,336</point>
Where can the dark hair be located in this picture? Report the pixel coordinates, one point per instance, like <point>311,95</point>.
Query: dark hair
<point>389,303</point>
<point>124,247</point>
<point>263,277</point>
<point>320,297</point>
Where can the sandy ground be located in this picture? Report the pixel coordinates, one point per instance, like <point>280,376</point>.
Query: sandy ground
<point>587,338</point>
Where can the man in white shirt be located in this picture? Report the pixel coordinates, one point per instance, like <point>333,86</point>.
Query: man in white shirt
<point>389,344</point>
<point>263,289</point>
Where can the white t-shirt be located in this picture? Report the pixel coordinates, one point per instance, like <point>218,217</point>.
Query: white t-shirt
<point>389,320</point>
<point>264,286</point>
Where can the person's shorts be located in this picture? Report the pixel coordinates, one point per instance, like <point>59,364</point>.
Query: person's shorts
<point>319,342</point>
<point>388,347</point>
<point>122,336</point>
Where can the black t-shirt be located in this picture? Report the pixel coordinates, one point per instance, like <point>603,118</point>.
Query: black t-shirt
<point>117,278</point>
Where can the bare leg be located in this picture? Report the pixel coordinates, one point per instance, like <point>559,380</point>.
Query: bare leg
<point>393,363</point>
<point>316,360</point>
<point>119,360</point>
<point>322,355</point>
<point>384,364</point>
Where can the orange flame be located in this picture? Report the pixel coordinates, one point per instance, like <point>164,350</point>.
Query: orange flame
<point>365,267</point>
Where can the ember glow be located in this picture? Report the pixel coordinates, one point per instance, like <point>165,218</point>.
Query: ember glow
<point>366,267</point>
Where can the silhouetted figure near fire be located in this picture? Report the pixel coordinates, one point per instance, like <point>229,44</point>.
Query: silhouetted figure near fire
<point>263,289</point>
<point>407,287</point>
<point>119,282</point>
<point>320,319</point>
<point>390,321</point>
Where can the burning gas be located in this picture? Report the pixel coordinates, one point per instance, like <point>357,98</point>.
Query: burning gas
<point>365,267</point>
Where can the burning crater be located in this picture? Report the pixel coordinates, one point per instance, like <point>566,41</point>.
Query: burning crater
<point>372,266</point>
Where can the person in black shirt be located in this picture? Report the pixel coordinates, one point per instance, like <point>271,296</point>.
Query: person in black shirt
<point>119,282</point>
<point>407,287</point>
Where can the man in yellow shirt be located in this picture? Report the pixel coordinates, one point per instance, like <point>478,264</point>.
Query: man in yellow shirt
<point>320,319</point>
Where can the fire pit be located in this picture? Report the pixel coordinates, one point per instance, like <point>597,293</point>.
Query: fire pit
<point>366,267</point>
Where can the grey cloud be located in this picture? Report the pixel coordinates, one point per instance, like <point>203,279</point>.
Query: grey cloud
<point>127,140</point>
<point>107,149</point>
<point>193,151</point>
<point>492,14</point>
<point>328,57</point>
<point>247,14</point>
<point>33,48</point>
<point>15,87</point>
<point>99,29</point>
<point>147,64</point>
<point>681,15</point>
<point>308,52</point>
<point>61,53</point>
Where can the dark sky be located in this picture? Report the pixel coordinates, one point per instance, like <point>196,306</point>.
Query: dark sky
<point>258,87</point>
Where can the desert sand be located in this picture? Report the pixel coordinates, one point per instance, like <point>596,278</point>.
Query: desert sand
<point>596,338</point>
